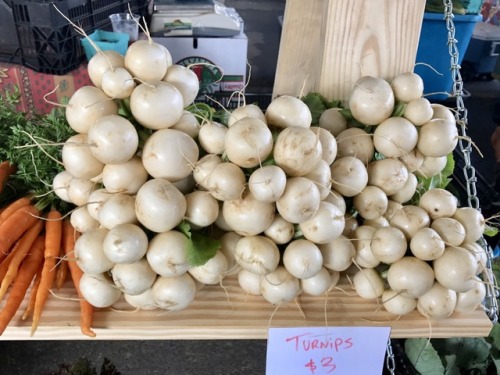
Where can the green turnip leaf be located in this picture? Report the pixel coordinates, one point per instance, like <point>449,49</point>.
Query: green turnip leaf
<point>424,357</point>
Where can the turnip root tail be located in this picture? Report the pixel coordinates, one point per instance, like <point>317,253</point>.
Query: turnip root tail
<point>79,29</point>
<point>51,102</point>
<point>430,67</point>
<point>273,313</point>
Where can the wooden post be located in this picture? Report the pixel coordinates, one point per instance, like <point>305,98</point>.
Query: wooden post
<point>326,45</point>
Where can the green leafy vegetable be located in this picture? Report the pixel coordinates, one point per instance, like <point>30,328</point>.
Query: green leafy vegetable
<point>471,352</point>
<point>441,180</point>
<point>490,231</point>
<point>399,110</point>
<point>436,6</point>
<point>317,104</point>
<point>33,143</point>
<point>201,248</point>
<point>423,356</point>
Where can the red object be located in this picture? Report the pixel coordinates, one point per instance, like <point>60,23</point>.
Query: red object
<point>35,86</point>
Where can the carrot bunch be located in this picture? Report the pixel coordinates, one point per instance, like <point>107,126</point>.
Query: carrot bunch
<point>30,244</point>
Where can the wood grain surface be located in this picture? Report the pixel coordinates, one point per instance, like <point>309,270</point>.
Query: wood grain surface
<point>326,45</point>
<point>227,313</point>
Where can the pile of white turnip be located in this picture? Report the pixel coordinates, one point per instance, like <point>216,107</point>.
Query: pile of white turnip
<point>294,206</point>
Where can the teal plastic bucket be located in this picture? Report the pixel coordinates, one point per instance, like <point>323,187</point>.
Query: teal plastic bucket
<point>433,50</point>
<point>105,40</point>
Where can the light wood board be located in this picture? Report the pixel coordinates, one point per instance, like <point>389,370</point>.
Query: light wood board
<point>326,45</point>
<point>228,313</point>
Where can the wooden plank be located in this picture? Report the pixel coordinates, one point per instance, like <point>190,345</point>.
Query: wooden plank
<point>227,313</point>
<point>326,45</point>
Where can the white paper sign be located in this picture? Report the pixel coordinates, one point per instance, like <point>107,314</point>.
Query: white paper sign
<point>326,350</point>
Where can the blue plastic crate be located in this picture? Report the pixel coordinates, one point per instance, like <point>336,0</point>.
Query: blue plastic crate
<point>433,51</point>
<point>105,40</point>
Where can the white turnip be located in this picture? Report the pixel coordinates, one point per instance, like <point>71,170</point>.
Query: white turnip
<point>285,111</point>
<point>248,216</point>
<point>338,254</point>
<point>159,205</point>
<point>371,100</point>
<point>349,176</point>
<point>279,286</point>
<point>267,184</point>
<point>226,182</point>
<point>371,202</point>
<point>300,200</point>
<point>355,142</point>
<point>125,243</point>
<point>98,289</point>
<point>174,293</point>
<point>388,174</point>
<point>297,150</point>
<point>211,272</point>
<point>86,106</point>
<point>332,120</point>
<point>410,276</point>
<point>257,254</point>
<point>113,139</point>
<point>167,253</point>
<point>185,80</point>
<point>170,154</point>
<point>248,142</point>
<point>437,303</point>
<point>395,137</point>
<point>302,259</point>
<point>212,137</point>
<point>202,209</point>
<point>407,86</point>
<point>472,220</point>
<point>157,105</point>
<point>388,244</point>
<point>117,209</point>
<point>368,283</point>
<point>133,278</point>
<point>280,231</point>
<point>325,225</point>
<point>426,244</point>
<point>456,269</point>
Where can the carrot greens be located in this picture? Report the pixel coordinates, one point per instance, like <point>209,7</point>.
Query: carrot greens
<point>32,142</point>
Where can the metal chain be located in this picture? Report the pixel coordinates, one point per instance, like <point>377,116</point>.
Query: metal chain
<point>390,362</point>
<point>465,145</point>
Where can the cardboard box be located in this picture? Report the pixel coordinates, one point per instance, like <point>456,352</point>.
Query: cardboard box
<point>39,89</point>
<point>220,63</point>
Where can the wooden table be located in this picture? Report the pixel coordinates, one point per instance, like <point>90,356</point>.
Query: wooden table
<point>227,313</point>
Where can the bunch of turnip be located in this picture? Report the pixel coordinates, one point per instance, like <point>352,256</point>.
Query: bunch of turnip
<point>122,171</point>
<point>291,204</point>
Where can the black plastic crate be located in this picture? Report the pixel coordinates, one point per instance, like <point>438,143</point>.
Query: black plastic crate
<point>49,43</point>
<point>44,13</point>
<point>10,50</point>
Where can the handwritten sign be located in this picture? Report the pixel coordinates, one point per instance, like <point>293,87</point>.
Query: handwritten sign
<point>326,350</point>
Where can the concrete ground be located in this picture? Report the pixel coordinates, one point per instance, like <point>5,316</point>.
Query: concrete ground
<point>225,356</point>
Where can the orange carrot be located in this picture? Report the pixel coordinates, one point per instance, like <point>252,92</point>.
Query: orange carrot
<point>6,170</point>
<point>31,302</point>
<point>23,280</point>
<point>62,270</point>
<point>22,249</point>
<point>53,236</point>
<point>13,207</point>
<point>4,266</point>
<point>15,225</point>
<point>86,309</point>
